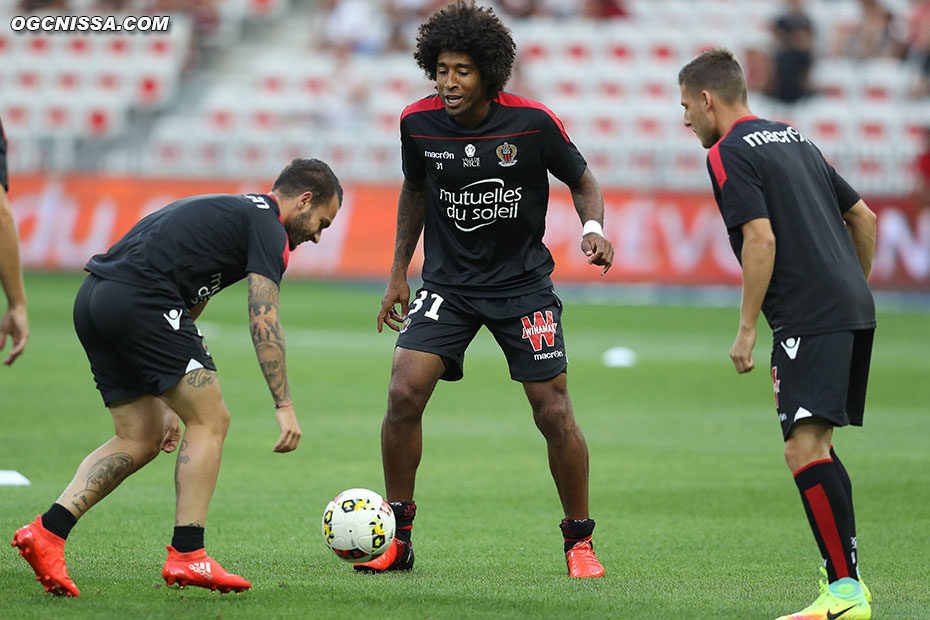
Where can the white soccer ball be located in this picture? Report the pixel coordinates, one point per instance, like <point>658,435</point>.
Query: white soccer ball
<point>358,525</point>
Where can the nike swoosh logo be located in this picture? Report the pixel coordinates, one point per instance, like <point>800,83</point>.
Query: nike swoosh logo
<point>833,616</point>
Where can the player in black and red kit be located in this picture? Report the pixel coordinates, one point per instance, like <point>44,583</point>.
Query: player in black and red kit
<point>15,321</point>
<point>135,315</point>
<point>805,240</point>
<point>476,162</point>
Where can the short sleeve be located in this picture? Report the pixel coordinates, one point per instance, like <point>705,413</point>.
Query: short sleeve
<point>846,196</point>
<point>267,245</point>
<point>414,164</point>
<point>4,180</point>
<point>562,157</point>
<point>737,186</point>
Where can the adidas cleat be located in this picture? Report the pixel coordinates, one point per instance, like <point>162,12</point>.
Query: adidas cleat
<point>45,553</point>
<point>196,568</point>
<point>582,562</point>
<point>399,556</point>
<point>834,605</point>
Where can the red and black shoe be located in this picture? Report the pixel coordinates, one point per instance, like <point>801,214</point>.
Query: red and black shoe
<point>399,556</point>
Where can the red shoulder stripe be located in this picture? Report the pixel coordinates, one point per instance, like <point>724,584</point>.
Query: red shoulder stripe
<point>516,101</point>
<point>433,102</point>
<point>287,240</point>
<point>716,165</point>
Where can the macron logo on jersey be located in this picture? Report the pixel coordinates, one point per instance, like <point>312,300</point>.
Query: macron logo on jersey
<point>540,329</point>
<point>758,138</point>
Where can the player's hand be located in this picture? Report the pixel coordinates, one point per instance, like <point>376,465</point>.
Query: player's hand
<point>172,431</point>
<point>598,250</point>
<point>398,292</point>
<point>741,351</point>
<point>290,429</point>
<point>15,324</point>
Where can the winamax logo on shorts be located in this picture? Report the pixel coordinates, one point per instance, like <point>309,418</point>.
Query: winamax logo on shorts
<point>481,204</point>
<point>542,329</point>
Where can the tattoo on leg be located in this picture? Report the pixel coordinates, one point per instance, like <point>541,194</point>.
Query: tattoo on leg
<point>104,476</point>
<point>200,377</point>
<point>183,459</point>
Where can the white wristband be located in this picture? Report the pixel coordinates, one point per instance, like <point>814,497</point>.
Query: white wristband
<point>592,227</point>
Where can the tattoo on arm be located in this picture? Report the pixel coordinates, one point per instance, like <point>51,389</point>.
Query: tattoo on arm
<point>588,199</point>
<point>411,208</point>
<point>267,335</point>
<point>104,476</point>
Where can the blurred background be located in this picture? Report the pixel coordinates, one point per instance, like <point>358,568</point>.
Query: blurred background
<point>105,127</point>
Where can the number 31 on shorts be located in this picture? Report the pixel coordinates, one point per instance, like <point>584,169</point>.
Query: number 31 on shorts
<point>433,312</point>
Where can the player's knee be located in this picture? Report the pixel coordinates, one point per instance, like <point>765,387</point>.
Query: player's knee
<point>554,417</point>
<point>798,454</point>
<point>220,421</point>
<point>405,403</point>
<point>213,419</point>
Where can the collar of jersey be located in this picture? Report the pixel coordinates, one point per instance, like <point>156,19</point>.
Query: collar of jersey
<point>735,123</point>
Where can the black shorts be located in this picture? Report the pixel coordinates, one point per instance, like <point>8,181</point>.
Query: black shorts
<point>138,341</point>
<point>822,375</point>
<point>528,329</point>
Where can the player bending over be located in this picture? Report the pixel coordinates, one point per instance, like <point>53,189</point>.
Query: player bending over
<point>134,315</point>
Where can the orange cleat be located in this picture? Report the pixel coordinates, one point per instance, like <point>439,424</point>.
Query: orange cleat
<point>196,568</point>
<point>581,560</point>
<point>399,556</point>
<point>45,553</point>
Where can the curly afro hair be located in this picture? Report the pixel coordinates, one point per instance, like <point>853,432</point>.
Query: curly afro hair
<point>465,28</point>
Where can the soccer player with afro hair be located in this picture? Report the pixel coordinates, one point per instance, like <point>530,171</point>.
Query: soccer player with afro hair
<point>476,163</point>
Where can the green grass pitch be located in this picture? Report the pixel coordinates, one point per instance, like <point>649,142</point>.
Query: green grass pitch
<point>697,515</point>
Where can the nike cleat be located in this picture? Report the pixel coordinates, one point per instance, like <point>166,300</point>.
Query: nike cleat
<point>834,606</point>
<point>399,556</point>
<point>581,560</point>
<point>196,568</point>
<point>865,589</point>
<point>45,553</point>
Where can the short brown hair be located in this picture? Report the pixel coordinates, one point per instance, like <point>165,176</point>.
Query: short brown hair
<point>308,175</point>
<point>718,71</point>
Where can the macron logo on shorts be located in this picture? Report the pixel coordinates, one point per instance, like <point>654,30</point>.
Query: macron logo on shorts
<point>791,347</point>
<point>174,318</point>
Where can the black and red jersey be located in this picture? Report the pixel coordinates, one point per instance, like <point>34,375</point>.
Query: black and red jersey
<point>197,246</point>
<point>767,169</point>
<point>487,193</point>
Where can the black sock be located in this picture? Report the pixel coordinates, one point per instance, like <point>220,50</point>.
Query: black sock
<point>404,513</point>
<point>574,530</point>
<point>58,520</point>
<point>847,486</point>
<point>187,538</point>
<point>829,511</point>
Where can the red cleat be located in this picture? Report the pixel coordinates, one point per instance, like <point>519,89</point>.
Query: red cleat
<point>196,568</point>
<point>45,553</point>
<point>399,556</point>
<point>581,560</point>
